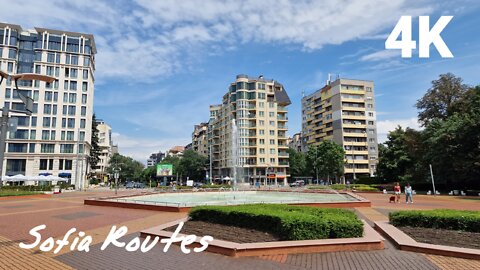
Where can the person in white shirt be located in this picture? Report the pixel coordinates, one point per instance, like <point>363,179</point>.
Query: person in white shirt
<point>408,193</point>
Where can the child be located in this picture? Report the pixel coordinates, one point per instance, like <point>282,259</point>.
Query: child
<point>408,193</point>
<point>397,189</point>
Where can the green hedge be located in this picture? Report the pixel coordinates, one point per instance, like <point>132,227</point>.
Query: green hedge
<point>459,220</point>
<point>286,221</point>
<point>358,187</point>
<point>7,192</point>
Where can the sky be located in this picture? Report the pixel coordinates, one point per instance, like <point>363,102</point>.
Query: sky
<point>160,64</point>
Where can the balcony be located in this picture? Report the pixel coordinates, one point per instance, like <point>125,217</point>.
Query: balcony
<point>283,154</point>
<point>282,118</point>
<point>282,127</point>
<point>283,163</point>
<point>281,109</point>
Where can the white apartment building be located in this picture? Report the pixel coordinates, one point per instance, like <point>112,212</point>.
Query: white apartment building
<point>55,139</point>
<point>105,143</point>
<point>259,108</point>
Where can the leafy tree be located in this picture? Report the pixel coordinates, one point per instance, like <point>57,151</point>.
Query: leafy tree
<point>95,148</point>
<point>399,156</point>
<point>193,165</point>
<point>453,144</point>
<point>298,163</point>
<point>326,159</point>
<point>441,99</point>
<point>130,169</point>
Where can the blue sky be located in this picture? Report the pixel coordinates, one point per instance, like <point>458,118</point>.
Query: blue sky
<point>160,64</point>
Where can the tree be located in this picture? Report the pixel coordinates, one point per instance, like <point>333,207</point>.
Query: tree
<point>130,169</point>
<point>326,159</point>
<point>193,165</point>
<point>298,163</point>
<point>399,156</point>
<point>453,144</point>
<point>441,99</point>
<point>95,148</point>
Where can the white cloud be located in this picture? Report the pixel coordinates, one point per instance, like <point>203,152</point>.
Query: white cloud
<point>381,55</point>
<point>145,39</point>
<point>385,126</point>
<point>141,148</point>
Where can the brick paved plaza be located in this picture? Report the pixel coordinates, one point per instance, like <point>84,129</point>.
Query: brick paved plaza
<point>62,212</point>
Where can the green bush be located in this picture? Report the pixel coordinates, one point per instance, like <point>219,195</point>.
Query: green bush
<point>28,188</point>
<point>459,220</point>
<point>9,192</point>
<point>286,221</point>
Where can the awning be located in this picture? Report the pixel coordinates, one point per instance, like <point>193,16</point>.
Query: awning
<point>45,174</point>
<point>65,175</point>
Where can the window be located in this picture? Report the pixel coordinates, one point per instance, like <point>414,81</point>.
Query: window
<point>73,73</point>
<point>272,123</point>
<point>86,61</point>
<point>272,150</point>
<point>272,142</point>
<point>85,73</point>
<point>47,148</point>
<point>47,109</point>
<point>33,134</point>
<point>82,123</point>
<point>50,57</point>
<point>74,60</point>
<point>67,72</point>
<point>84,99</point>
<point>66,148</point>
<point>17,147</point>
<point>261,141</point>
<point>31,148</point>
<point>8,93</point>
<point>68,164</point>
<point>271,114</point>
<point>272,132</point>
<point>72,98</point>
<point>261,123</point>
<point>12,53</point>
<point>64,122</point>
<point>371,123</point>
<point>82,135</point>
<point>261,113</point>
<point>83,111</point>
<point>52,135</point>
<point>46,121</point>
<point>369,89</point>
<point>73,85</point>
<point>45,134</point>
<point>70,135</point>
<point>262,160</point>
<point>10,67</point>
<point>261,132</point>
<point>370,114</point>
<point>71,123</point>
<point>65,85</point>
<point>84,86</point>
<point>369,106</point>
<point>34,121</point>
<point>43,164</point>
<point>272,160</point>
<point>71,110</point>
<point>262,150</point>
<point>50,70</point>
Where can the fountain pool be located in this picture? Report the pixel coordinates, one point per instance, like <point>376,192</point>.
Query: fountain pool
<point>183,201</point>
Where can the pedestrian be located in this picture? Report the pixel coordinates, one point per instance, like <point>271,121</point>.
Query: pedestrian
<point>408,193</point>
<point>347,186</point>
<point>397,189</point>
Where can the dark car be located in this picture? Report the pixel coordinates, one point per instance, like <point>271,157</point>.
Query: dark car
<point>135,185</point>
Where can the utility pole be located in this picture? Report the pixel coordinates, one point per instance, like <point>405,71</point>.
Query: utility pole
<point>211,169</point>
<point>3,138</point>
<point>433,181</point>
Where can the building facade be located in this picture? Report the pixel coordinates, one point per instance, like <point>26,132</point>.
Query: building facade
<point>105,143</point>
<point>200,139</point>
<point>295,142</point>
<point>55,139</point>
<point>155,158</point>
<point>344,111</point>
<point>176,151</point>
<point>257,109</point>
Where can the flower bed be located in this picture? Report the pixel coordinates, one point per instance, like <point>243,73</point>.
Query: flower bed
<point>459,220</point>
<point>286,221</point>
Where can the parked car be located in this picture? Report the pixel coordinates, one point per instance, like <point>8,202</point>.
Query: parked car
<point>135,185</point>
<point>197,184</point>
<point>298,183</point>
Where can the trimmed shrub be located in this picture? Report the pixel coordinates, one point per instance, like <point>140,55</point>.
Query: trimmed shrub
<point>459,220</point>
<point>286,221</point>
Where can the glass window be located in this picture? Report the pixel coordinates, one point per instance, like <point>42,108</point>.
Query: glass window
<point>84,99</point>
<point>47,148</point>
<point>82,135</point>
<point>10,67</point>
<point>86,61</point>
<point>46,121</point>
<point>70,135</point>
<point>72,98</point>
<point>82,123</point>
<point>12,53</point>
<point>66,148</point>
<point>45,134</point>
<point>71,123</point>
<point>84,86</point>
<point>50,57</point>
<point>74,60</point>
<point>73,85</point>
<point>85,73</point>
<point>43,164</point>
<point>32,148</point>
<point>34,121</point>
<point>84,111</point>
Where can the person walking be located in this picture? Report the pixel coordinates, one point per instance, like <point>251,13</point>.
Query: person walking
<point>397,189</point>
<point>408,193</point>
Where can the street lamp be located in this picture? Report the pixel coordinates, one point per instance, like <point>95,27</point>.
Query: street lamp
<point>28,101</point>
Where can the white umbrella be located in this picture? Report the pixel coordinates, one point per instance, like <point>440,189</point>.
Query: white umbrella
<point>227,178</point>
<point>18,178</point>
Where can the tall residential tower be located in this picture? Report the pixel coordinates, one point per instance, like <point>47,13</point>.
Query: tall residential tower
<point>344,111</point>
<point>259,109</point>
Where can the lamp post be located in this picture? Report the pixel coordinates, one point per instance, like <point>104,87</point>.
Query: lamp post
<point>28,101</point>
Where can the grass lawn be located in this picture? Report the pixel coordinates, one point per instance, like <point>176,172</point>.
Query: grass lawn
<point>6,193</point>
